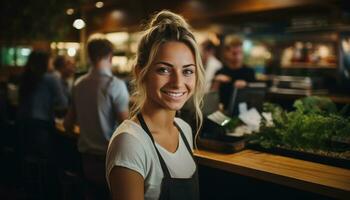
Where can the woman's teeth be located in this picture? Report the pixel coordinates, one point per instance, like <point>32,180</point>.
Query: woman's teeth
<point>175,94</point>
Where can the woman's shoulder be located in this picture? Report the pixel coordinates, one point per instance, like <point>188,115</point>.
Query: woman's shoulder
<point>127,139</point>
<point>130,128</point>
<point>127,149</point>
<point>130,134</point>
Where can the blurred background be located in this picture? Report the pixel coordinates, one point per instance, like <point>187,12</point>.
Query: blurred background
<point>291,37</point>
<point>297,48</point>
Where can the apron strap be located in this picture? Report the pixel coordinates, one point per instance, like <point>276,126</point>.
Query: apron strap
<point>184,139</point>
<point>162,162</point>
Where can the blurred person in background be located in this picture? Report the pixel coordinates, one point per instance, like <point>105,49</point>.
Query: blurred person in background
<point>210,62</point>
<point>40,93</point>
<point>64,69</point>
<point>234,73</point>
<point>150,155</point>
<point>100,102</point>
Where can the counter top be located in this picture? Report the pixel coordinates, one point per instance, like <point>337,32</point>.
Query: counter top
<point>304,175</point>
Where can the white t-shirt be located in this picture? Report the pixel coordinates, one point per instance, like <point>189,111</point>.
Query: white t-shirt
<point>132,148</point>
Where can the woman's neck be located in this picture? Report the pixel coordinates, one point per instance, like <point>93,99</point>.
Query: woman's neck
<point>158,119</point>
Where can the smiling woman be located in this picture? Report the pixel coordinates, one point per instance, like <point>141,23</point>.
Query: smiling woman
<point>172,77</point>
<point>150,155</point>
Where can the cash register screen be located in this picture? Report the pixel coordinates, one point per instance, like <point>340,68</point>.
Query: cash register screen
<point>252,96</point>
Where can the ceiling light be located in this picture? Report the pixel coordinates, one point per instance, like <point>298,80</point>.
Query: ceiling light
<point>70,11</point>
<point>99,4</point>
<point>78,24</point>
<point>71,52</point>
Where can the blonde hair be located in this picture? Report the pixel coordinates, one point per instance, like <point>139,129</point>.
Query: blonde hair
<point>163,27</point>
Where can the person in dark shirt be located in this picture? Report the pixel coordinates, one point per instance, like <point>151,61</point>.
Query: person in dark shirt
<point>234,73</point>
<point>40,95</point>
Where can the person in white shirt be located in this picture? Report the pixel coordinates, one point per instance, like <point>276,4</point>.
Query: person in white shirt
<point>210,62</point>
<point>150,155</point>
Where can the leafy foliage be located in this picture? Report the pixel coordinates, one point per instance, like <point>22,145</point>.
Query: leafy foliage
<point>311,126</point>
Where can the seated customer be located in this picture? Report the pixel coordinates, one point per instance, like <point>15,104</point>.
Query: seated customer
<point>234,73</point>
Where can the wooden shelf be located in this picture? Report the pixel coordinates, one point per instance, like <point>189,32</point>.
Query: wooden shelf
<point>302,65</point>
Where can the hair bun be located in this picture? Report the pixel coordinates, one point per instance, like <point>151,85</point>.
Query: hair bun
<point>166,17</point>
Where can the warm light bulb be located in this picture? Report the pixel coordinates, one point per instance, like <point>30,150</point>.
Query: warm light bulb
<point>323,51</point>
<point>78,24</point>
<point>70,11</point>
<point>99,4</point>
<point>71,52</point>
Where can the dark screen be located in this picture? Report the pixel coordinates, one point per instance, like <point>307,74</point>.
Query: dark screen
<point>253,96</point>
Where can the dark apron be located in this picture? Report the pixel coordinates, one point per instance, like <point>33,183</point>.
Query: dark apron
<point>174,188</point>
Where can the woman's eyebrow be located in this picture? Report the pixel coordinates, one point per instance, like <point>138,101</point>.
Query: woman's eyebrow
<point>189,65</point>
<point>164,63</point>
<point>171,65</point>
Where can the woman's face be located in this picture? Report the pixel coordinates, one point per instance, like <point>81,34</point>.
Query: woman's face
<point>171,78</point>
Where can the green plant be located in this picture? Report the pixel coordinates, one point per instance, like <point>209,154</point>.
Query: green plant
<point>310,127</point>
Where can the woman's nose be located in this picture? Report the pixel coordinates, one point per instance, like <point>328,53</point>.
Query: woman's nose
<point>177,78</point>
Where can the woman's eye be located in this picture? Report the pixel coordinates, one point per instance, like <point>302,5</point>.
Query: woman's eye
<point>188,72</point>
<point>163,70</point>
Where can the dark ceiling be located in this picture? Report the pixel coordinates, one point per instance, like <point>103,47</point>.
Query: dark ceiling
<point>46,19</point>
<point>202,13</point>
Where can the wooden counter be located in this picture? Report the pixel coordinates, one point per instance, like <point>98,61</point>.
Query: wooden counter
<point>304,175</point>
